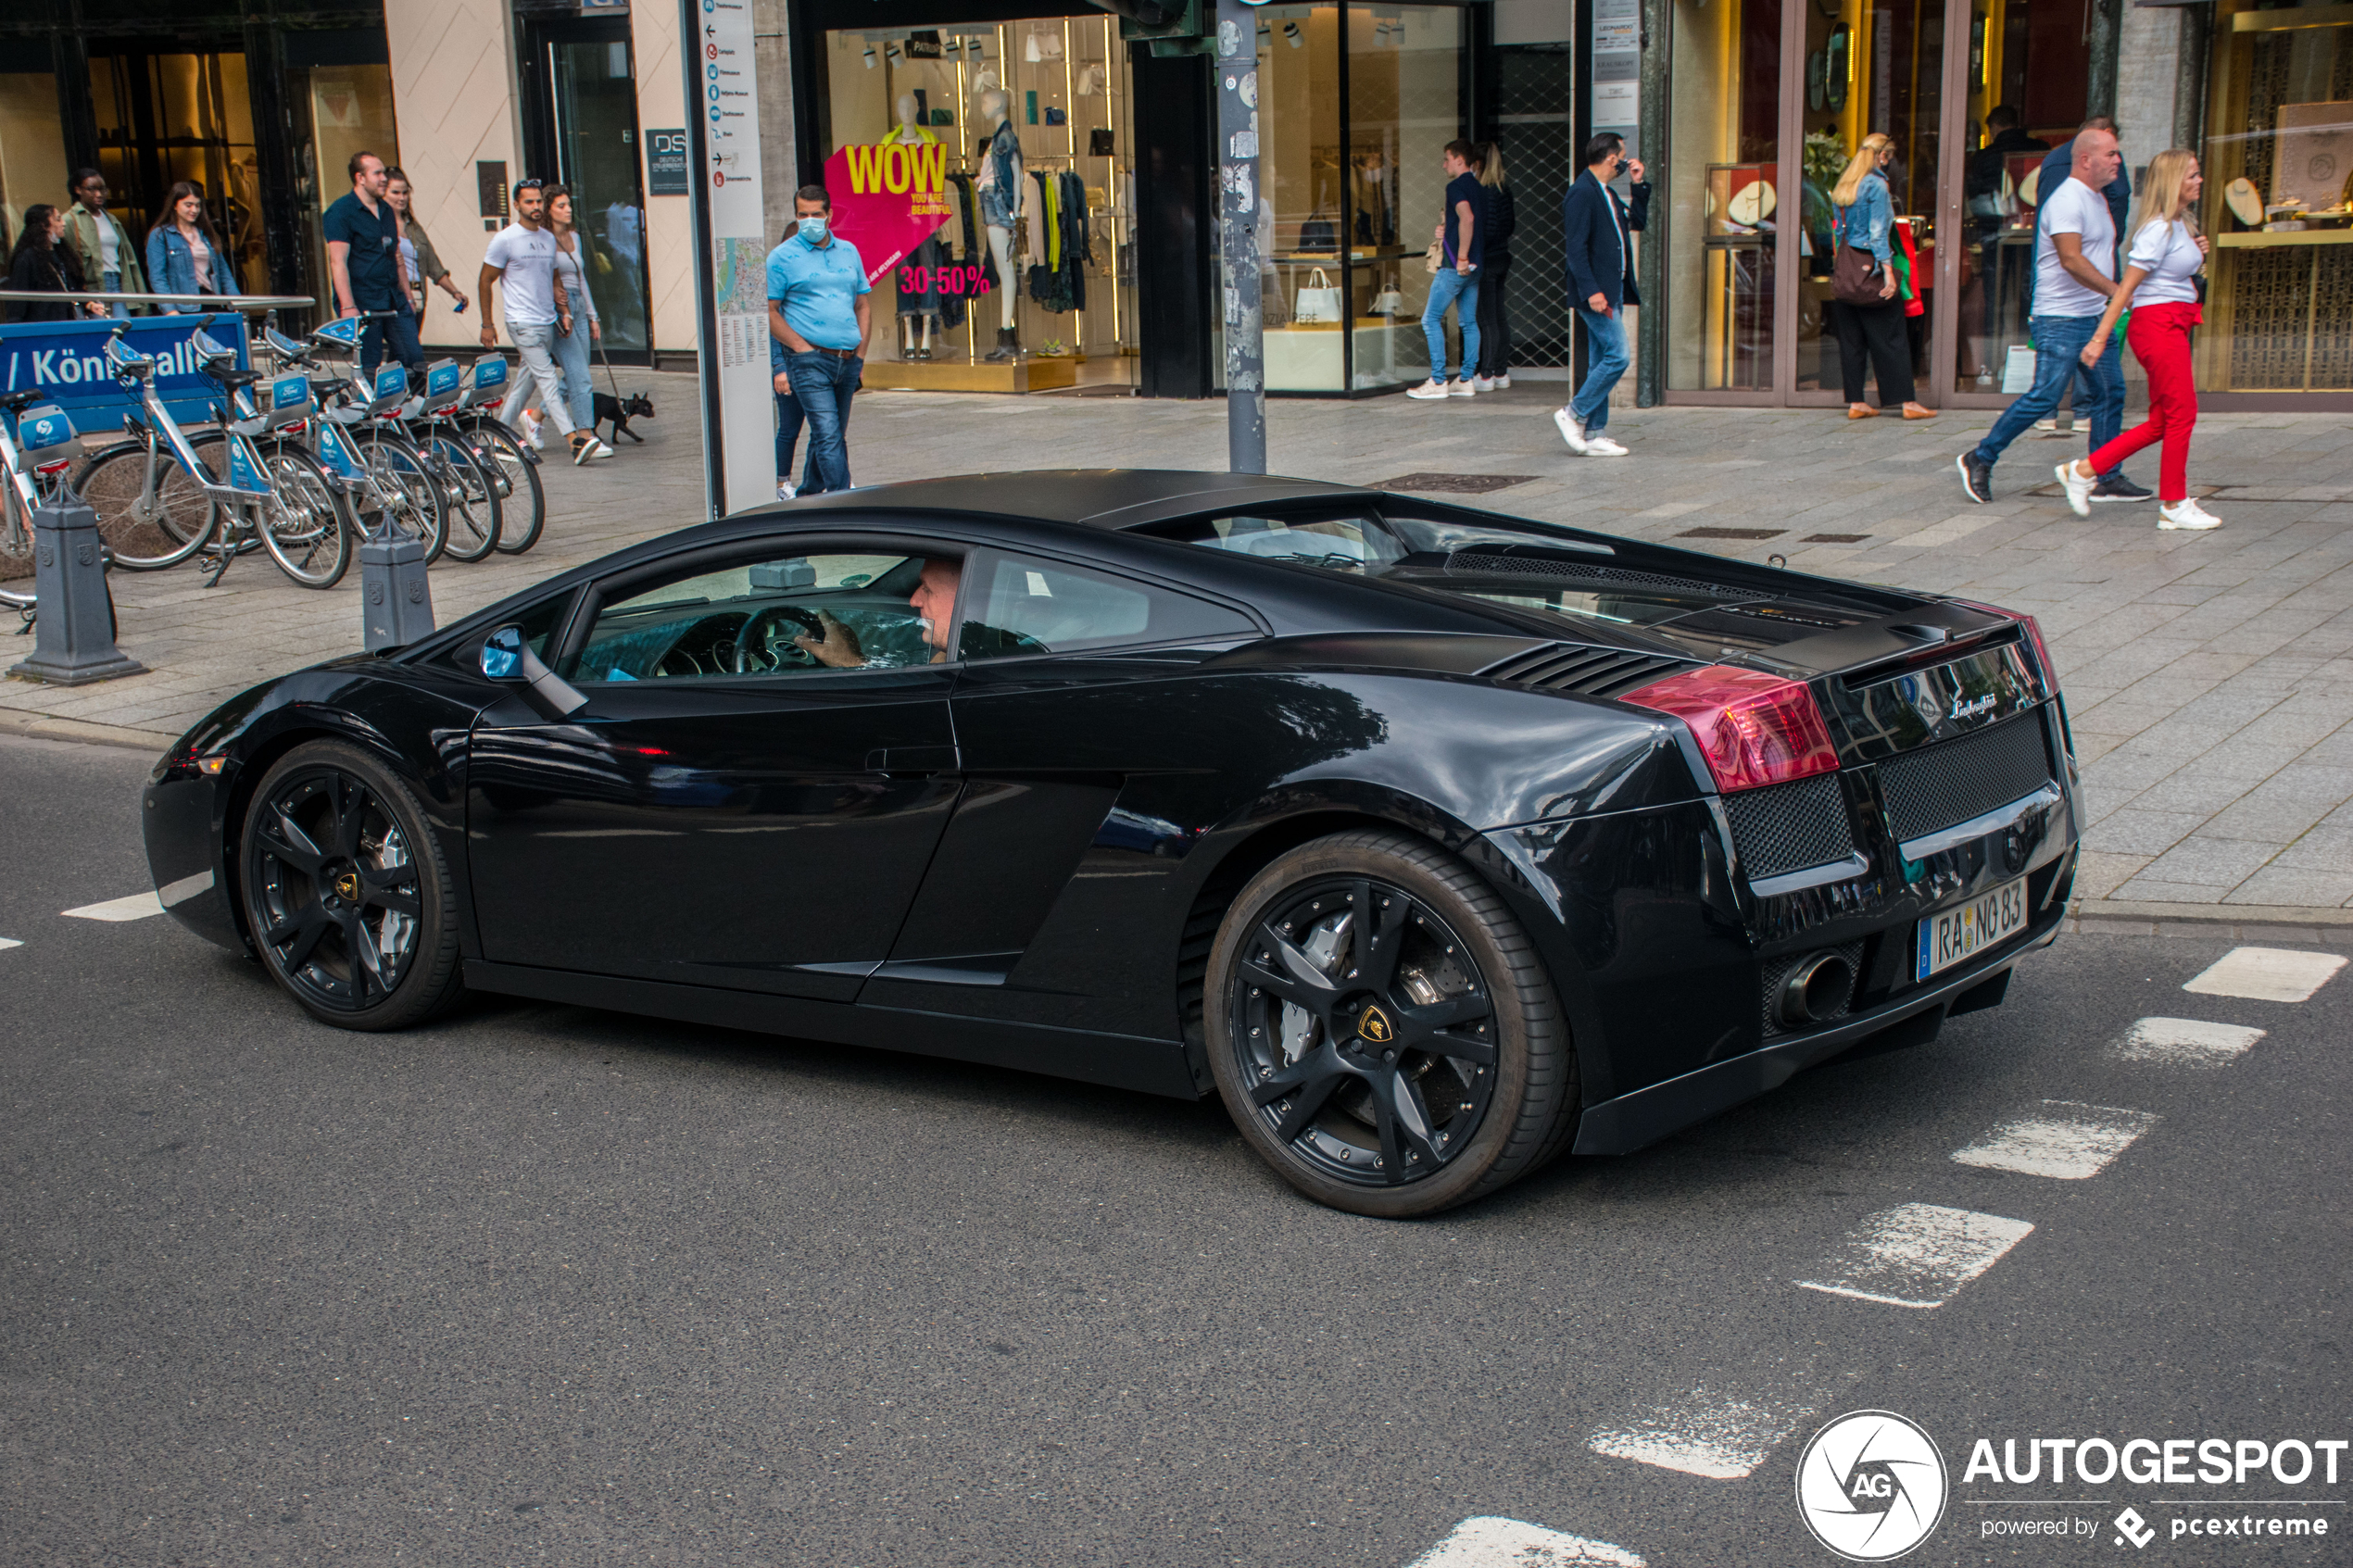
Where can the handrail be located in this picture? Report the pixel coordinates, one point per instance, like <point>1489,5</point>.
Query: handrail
<point>211,301</point>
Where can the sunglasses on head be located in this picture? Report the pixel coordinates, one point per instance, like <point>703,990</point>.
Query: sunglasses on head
<point>522,185</point>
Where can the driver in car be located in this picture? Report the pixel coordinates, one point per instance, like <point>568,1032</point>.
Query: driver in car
<point>934,601</point>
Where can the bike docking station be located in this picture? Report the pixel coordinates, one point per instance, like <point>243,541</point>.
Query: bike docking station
<point>73,634</point>
<point>395,600</point>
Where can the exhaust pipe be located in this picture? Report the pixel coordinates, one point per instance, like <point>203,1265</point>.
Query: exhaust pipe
<point>1816,989</point>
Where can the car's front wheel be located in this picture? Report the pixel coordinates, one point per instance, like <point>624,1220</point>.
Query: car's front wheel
<point>345,892</point>
<point>1382,1031</point>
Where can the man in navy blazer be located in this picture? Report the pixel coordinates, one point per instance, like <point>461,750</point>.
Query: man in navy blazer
<point>1601,283</point>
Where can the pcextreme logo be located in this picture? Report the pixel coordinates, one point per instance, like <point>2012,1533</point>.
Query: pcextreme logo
<point>1871,1486</point>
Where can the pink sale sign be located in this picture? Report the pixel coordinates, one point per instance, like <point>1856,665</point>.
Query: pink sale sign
<point>888,199</point>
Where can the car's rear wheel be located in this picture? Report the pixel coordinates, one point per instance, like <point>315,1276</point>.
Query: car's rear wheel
<point>345,891</point>
<point>1382,1031</point>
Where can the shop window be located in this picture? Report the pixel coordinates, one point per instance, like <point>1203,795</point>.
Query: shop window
<point>33,158</point>
<point>1723,183</point>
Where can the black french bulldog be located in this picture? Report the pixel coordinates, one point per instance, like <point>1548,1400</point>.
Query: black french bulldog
<point>619,411</point>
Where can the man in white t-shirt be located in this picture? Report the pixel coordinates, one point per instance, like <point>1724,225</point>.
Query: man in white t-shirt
<point>2074,274</point>
<point>522,257</point>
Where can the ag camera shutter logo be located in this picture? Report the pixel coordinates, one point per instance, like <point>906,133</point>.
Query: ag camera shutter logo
<point>1871,1486</point>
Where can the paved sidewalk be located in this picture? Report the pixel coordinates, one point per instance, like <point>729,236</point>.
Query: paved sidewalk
<point>2209,677</point>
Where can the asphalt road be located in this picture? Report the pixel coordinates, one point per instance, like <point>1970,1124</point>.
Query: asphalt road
<point>545,1285</point>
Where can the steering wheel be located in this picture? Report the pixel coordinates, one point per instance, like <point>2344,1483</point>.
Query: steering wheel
<point>765,644</point>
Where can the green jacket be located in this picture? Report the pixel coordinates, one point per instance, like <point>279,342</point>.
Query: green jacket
<point>81,238</point>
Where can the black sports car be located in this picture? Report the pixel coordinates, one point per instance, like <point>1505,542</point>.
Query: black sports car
<point>1435,842</point>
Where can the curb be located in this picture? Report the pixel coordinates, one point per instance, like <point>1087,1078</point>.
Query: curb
<point>2244,922</point>
<point>42,726</point>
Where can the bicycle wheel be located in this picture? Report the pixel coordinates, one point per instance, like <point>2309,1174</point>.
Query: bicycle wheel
<point>523,509</point>
<point>468,494</point>
<point>151,513</point>
<point>406,499</point>
<point>16,542</point>
<point>304,526</point>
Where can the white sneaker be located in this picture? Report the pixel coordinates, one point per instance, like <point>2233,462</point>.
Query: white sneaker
<point>1482,383</point>
<point>2046,424</point>
<point>1503,382</point>
<point>786,491</point>
<point>1602,446</point>
<point>531,433</point>
<point>2079,491</point>
<point>602,450</point>
<point>1461,389</point>
<point>1427,389</point>
<point>2186,514</point>
<point>1571,431</point>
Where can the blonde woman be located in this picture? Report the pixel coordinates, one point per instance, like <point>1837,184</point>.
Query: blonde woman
<point>1494,332</point>
<point>1866,219</point>
<point>2159,286</point>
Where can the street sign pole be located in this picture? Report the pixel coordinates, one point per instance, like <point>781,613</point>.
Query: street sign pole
<point>1236,63</point>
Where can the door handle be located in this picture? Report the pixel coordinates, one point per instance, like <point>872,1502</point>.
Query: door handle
<point>912,760</point>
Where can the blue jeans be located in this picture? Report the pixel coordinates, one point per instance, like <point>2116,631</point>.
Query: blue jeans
<point>112,284</point>
<point>789,420</point>
<point>1451,287</point>
<point>571,358</point>
<point>2100,394</point>
<point>401,331</point>
<point>1606,361</point>
<point>823,385</point>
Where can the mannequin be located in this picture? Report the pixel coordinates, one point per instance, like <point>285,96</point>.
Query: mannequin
<point>1000,187</point>
<point>918,313</point>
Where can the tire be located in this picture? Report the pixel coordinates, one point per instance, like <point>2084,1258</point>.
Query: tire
<point>307,528</point>
<point>1442,1074</point>
<point>470,496</point>
<point>145,534</point>
<point>415,506</point>
<point>522,501</point>
<point>339,867</point>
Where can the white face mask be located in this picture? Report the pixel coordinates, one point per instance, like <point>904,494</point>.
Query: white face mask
<point>813,229</point>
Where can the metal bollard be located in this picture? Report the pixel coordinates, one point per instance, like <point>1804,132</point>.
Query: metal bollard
<point>396,602</point>
<point>73,629</point>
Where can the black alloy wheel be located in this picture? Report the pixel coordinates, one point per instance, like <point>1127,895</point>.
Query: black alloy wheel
<point>1382,1031</point>
<point>347,897</point>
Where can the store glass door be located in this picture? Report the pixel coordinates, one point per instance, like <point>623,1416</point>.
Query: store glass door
<point>167,115</point>
<point>588,141</point>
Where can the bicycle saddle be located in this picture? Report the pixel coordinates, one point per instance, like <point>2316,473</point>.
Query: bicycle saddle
<point>16,402</point>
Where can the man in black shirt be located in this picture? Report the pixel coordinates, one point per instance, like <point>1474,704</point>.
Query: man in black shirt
<point>1462,239</point>
<point>363,252</point>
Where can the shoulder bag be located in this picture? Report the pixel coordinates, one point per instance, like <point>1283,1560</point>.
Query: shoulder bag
<point>1318,299</point>
<point>1855,273</point>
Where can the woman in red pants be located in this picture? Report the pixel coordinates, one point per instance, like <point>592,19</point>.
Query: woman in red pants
<point>2161,286</point>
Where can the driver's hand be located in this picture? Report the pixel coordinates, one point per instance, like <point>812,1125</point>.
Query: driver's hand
<point>839,650</point>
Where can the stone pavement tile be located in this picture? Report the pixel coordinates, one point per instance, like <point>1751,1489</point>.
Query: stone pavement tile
<point>2279,810</point>
<point>2122,778</point>
<point>2325,849</point>
<point>2147,833</point>
<point>2280,885</point>
<point>2209,862</point>
<point>2098,873</point>
<point>2155,892</point>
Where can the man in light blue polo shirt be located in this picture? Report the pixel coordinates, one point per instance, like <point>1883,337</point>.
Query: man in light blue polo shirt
<point>819,308</point>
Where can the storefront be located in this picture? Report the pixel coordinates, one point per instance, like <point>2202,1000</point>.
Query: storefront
<point>1770,97</point>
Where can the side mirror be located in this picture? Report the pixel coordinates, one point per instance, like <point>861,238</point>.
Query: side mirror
<point>507,658</point>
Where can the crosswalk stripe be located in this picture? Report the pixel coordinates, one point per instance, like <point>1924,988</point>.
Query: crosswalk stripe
<point>1917,1254</point>
<point>138,906</point>
<point>2068,1141</point>
<point>1487,1541</point>
<point>1703,1433</point>
<point>2267,974</point>
<point>7,942</point>
<point>2185,1042</point>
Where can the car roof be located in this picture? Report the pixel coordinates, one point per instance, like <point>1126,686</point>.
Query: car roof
<point>1110,499</point>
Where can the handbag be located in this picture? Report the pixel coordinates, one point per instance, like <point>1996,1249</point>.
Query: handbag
<point>1318,233</point>
<point>1855,277</point>
<point>1434,258</point>
<point>1318,299</point>
<point>1389,301</point>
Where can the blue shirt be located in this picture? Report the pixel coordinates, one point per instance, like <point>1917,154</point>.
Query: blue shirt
<point>374,260</point>
<point>818,287</point>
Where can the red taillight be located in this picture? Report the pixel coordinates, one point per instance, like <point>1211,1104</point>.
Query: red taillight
<point>2044,666</point>
<point>1753,729</point>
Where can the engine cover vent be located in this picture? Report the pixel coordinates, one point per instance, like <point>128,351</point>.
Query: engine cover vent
<point>1590,672</point>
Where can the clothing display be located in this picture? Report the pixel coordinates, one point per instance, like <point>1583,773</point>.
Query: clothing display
<point>997,184</point>
<point>1061,242</point>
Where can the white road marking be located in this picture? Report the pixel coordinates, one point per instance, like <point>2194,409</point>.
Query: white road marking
<point>2068,1141</point>
<point>2267,974</point>
<point>2185,1042</point>
<point>1701,1433</point>
<point>1487,1541</point>
<point>7,942</point>
<point>187,887</point>
<point>1917,1254</point>
<point>139,905</point>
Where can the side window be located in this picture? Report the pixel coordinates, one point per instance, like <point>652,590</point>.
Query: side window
<point>1028,606</point>
<point>748,617</point>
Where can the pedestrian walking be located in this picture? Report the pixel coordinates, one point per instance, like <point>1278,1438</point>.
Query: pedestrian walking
<point>788,416</point>
<point>41,263</point>
<point>1866,224</point>
<point>2160,292</point>
<point>1601,283</point>
<point>2075,275</point>
<point>362,233</point>
<point>577,322</point>
<point>183,249</point>
<point>1462,239</point>
<point>1494,327</point>
<point>419,265</point>
<point>2050,176</point>
<point>109,261</point>
<point>521,256</point>
<point>820,307</point>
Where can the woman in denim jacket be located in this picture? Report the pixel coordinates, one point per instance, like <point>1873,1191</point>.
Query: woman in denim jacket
<point>1866,219</point>
<point>184,250</point>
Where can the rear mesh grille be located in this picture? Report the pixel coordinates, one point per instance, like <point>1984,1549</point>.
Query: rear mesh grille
<point>1932,789</point>
<point>1567,667</point>
<point>1776,975</point>
<point>1790,827</point>
<point>1615,576</point>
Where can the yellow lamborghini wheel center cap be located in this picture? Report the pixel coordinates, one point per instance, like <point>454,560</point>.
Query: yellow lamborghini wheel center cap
<point>1374,1026</point>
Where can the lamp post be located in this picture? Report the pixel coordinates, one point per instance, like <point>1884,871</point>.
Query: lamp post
<point>1236,65</point>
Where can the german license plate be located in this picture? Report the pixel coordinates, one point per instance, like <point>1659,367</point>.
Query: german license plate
<point>1948,937</point>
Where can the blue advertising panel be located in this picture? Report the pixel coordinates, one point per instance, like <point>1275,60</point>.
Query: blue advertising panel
<point>67,360</point>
